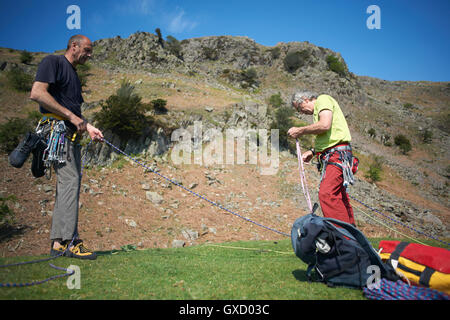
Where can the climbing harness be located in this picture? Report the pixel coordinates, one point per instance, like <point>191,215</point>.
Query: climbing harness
<point>348,163</point>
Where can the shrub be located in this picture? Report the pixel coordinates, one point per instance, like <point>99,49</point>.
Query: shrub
<point>375,169</point>
<point>174,46</point>
<point>160,38</point>
<point>19,80</point>
<point>26,57</point>
<point>275,100</point>
<point>123,113</point>
<point>403,143</point>
<point>159,105</point>
<point>372,133</point>
<point>283,122</point>
<point>427,136</point>
<point>249,77</point>
<point>336,66</point>
<point>12,132</point>
<point>210,53</point>
<point>83,72</point>
<point>7,216</point>
<point>275,52</point>
<point>407,105</point>
<point>295,59</point>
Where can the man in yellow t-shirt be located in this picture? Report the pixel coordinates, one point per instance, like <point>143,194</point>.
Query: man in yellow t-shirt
<point>332,145</point>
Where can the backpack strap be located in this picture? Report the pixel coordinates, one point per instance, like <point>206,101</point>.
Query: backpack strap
<point>387,271</point>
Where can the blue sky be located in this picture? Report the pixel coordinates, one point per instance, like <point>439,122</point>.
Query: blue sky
<point>412,44</point>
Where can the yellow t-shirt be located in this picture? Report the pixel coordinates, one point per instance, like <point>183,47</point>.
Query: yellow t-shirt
<point>338,132</point>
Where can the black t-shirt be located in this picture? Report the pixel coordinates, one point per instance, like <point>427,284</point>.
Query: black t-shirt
<point>64,84</point>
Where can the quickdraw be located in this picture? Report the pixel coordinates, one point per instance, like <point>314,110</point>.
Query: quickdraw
<point>53,131</point>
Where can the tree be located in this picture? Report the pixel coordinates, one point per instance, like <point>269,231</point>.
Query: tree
<point>249,77</point>
<point>403,143</point>
<point>336,66</point>
<point>159,105</point>
<point>427,136</point>
<point>275,100</point>
<point>295,59</point>
<point>375,169</point>
<point>283,122</point>
<point>174,46</point>
<point>19,80</point>
<point>25,57</point>
<point>160,38</point>
<point>123,113</point>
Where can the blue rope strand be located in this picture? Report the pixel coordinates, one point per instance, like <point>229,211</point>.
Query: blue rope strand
<point>195,193</point>
<point>399,222</point>
<point>68,273</point>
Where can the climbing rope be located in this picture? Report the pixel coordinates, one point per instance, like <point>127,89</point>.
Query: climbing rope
<point>301,170</point>
<point>399,222</point>
<point>69,272</point>
<point>192,192</point>
<point>305,192</point>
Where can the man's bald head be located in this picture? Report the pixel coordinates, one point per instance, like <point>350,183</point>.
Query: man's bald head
<point>77,39</point>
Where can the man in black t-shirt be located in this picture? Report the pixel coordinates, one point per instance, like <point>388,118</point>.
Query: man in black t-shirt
<point>57,89</point>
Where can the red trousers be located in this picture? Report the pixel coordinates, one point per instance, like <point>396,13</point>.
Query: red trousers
<point>333,196</point>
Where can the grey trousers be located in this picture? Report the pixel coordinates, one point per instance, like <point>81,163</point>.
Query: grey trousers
<point>65,212</point>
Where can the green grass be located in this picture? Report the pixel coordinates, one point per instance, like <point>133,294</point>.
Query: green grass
<point>256,270</point>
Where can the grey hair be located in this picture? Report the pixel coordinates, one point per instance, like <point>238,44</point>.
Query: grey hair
<point>300,96</point>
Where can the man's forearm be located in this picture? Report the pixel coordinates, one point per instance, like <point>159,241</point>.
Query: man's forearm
<point>49,103</point>
<point>315,128</point>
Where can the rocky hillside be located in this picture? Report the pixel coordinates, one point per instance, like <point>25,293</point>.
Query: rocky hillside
<point>226,83</point>
<point>389,108</point>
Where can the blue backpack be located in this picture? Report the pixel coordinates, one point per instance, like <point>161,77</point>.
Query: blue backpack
<point>339,253</point>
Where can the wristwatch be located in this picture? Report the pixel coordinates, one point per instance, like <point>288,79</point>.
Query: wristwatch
<point>313,151</point>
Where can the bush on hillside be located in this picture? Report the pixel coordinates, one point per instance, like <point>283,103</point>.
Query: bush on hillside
<point>275,100</point>
<point>123,113</point>
<point>26,57</point>
<point>249,78</point>
<point>159,105</point>
<point>160,38</point>
<point>427,136</point>
<point>295,60</point>
<point>403,143</point>
<point>83,73</point>
<point>19,79</point>
<point>174,46</point>
<point>283,122</point>
<point>375,169</point>
<point>336,66</point>
<point>14,130</point>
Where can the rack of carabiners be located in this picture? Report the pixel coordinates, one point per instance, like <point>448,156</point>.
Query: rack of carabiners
<point>54,132</point>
